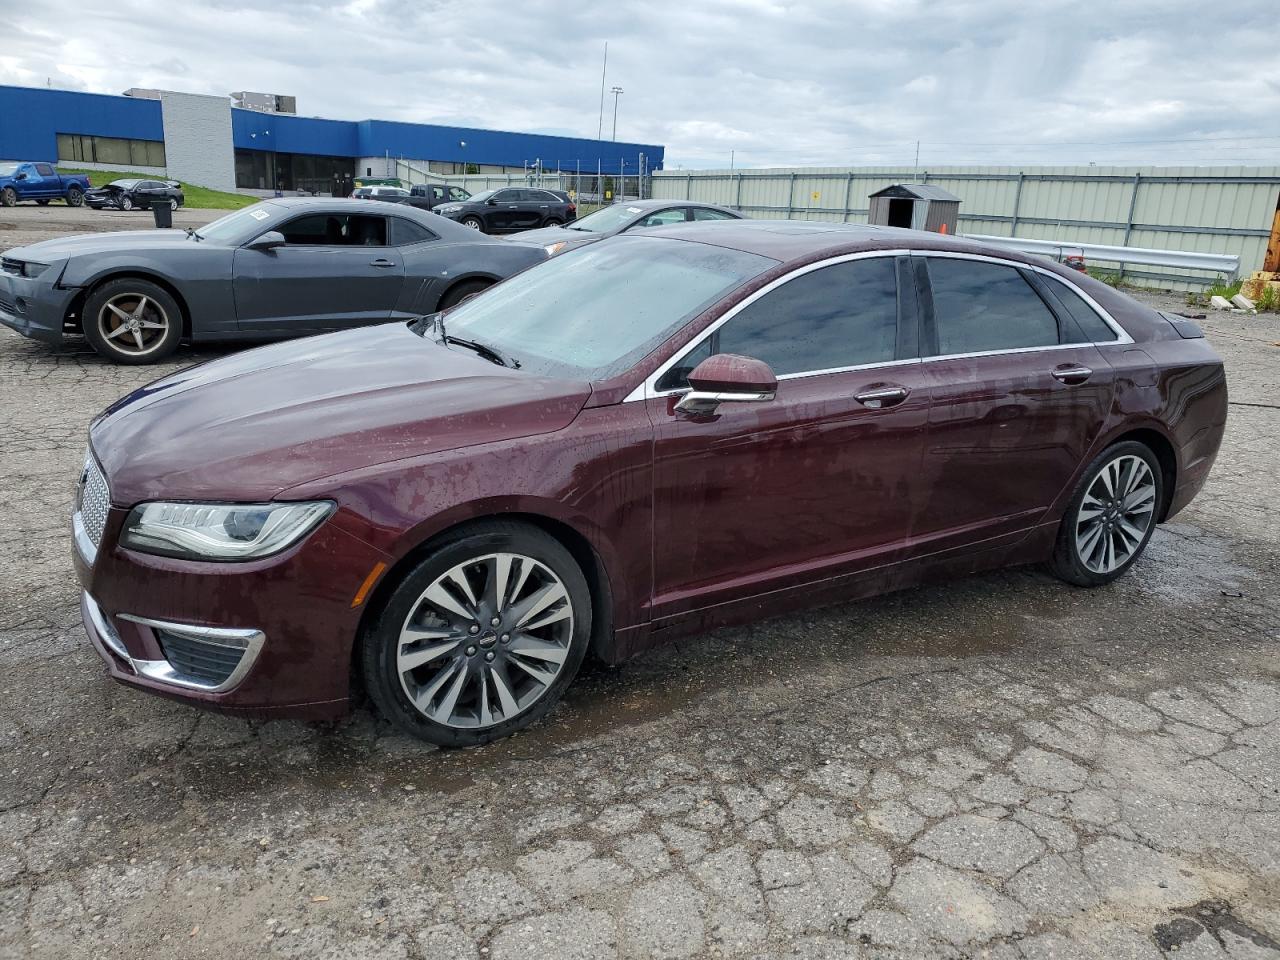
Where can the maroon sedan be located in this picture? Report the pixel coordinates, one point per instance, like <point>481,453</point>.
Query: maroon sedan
<point>648,437</point>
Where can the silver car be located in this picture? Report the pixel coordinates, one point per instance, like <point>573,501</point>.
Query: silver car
<point>281,268</point>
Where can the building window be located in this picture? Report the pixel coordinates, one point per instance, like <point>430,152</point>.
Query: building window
<point>80,148</point>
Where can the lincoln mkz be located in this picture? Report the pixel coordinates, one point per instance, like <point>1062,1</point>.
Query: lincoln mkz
<point>648,437</point>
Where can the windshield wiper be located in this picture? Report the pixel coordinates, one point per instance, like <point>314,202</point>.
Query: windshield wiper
<point>191,233</point>
<point>482,349</point>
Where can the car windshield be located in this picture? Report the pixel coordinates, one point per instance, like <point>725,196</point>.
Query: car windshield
<point>607,219</point>
<point>482,196</point>
<point>237,227</point>
<point>594,313</point>
<point>127,184</point>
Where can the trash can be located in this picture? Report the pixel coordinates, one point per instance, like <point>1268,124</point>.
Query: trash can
<point>163,213</point>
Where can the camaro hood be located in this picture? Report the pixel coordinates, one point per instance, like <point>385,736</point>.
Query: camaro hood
<point>253,425</point>
<point>51,251</point>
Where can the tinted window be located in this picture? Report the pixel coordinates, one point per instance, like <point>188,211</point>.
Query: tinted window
<point>543,196</point>
<point>507,196</point>
<point>330,229</point>
<point>405,232</point>
<point>44,170</point>
<point>702,213</point>
<point>1088,326</point>
<point>839,316</point>
<point>660,218</point>
<point>983,306</point>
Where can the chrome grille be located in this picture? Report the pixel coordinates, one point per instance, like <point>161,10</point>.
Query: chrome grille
<point>92,500</point>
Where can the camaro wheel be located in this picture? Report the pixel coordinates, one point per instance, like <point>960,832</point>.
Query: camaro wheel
<point>1112,516</point>
<point>75,197</point>
<point>8,197</point>
<point>463,290</point>
<point>474,223</point>
<point>132,321</point>
<point>481,638</point>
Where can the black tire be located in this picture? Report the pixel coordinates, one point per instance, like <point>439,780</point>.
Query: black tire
<point>75,197</point>
<point>1067,562</point>
<point>173,203</point>
<point>553,222</point>
<point>381,638</point>
<point>8,197</point>
<point>157,344</point>
<point>468,288</point>
<point>126,202</point>
<point>475,223</point>
<point>42,203</point>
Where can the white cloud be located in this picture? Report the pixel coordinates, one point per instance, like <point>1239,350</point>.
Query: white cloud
<point>828,83</point>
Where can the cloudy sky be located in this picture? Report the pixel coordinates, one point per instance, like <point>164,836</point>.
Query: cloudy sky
<point>778,84</point>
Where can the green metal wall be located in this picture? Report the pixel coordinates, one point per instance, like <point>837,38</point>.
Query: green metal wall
<point>1226,210</point>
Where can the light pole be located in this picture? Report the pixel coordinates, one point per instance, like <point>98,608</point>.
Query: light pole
<point>616,91</point>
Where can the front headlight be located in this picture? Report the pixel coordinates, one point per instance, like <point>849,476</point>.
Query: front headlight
<point>220,531</point>
<point>31,269</point>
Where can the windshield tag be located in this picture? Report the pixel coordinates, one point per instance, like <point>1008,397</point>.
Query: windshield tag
<point>259,214</point>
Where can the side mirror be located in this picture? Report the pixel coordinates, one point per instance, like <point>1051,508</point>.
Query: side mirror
<point>268,241</point>
<point>21,176</point>
<point>727,378</point>
<point>492,201</point>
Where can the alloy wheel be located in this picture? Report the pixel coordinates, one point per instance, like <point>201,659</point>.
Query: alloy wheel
<point>1116,514</point>
<point>485,641</point>
<point>173,203</point>
<point>133,323</point>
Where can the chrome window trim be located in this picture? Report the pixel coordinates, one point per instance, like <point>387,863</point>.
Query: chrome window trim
<point>648,389</point>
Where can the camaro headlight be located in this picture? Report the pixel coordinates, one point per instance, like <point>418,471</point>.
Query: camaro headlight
<point>32,269</point>
<point>220,531</point>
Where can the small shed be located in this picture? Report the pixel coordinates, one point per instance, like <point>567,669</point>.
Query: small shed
<point>917,206</point>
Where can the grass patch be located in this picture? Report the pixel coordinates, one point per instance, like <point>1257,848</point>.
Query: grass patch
<point>1269,302</point>
<point>197,198</point>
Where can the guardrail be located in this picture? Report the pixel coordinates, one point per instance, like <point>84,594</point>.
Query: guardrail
<point>1221,263</point>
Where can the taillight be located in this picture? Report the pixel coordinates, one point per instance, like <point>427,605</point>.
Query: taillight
<point>573,208</point>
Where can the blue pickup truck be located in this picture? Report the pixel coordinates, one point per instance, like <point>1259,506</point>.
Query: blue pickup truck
<point>41,183</point>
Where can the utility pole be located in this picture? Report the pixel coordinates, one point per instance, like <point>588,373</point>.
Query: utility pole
<point>731,161</point>
<point>603,68</point>
<point>917,165</point>
<point>617,92</point>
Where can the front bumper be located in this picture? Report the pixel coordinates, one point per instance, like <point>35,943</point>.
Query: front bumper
<point>34,307</point>
<point>283,627</point>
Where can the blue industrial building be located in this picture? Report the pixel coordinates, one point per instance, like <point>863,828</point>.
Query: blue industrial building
<point>188,136</point>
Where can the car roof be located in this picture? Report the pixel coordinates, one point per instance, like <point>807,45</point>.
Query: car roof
<point>792,240</point>
<point>437,224</point>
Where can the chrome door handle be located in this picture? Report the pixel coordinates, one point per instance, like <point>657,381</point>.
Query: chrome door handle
<point>1072,373</point>
<point>882,397</point>
<point>381,262</point>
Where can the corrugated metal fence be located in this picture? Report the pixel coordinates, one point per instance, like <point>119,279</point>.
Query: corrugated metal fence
<point>1206,209</point>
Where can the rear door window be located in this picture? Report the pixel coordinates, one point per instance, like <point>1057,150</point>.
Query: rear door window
<point>405,232</point>
<point>661,218</point>
<point>1085,325</point>
<point>981,307</point>
<point>44,169</point>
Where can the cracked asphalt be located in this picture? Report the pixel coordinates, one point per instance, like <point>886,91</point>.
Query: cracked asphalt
<point>999,767</point>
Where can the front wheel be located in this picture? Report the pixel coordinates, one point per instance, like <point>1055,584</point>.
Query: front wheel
<point>553,222</point>
<point>126,203</point>
<point>173,203</point>
<point>475,223</point>
<point>132,321</point>
<point>1111,517</point>
<point>481,638</point>
<point>8,197</point>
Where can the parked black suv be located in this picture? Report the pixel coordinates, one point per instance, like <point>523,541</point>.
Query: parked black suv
<point>509,209</point>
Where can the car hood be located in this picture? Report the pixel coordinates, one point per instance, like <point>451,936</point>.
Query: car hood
<point>51,251</point>
<point>253,425</point>
<point>547,235</point>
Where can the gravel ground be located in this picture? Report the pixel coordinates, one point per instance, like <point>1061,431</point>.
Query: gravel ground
<point>999,767</point>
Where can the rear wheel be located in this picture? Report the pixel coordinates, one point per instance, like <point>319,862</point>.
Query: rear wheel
<point>1111,517</point>
<point>173,203</point>
<point>475,223</point>
<point>457,294</point>
<point>481,638</point>
<point>132,321</point>
<point>75,197</point>
<point>8,197</point>
<point>553,222</point>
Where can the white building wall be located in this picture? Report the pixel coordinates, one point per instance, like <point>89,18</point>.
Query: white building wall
<point>381,167</point>
<point>197,139</point>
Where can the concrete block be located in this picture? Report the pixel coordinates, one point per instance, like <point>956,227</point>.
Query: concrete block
<point>1220,303</point>
<point>1243,302</point>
